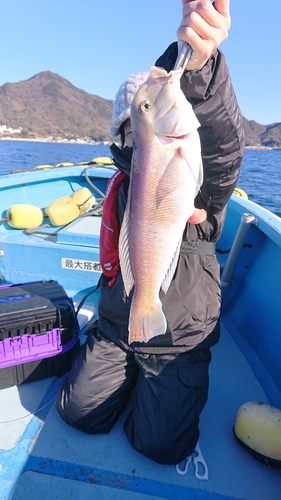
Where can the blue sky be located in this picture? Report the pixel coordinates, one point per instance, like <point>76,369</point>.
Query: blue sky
<point>96,44</point>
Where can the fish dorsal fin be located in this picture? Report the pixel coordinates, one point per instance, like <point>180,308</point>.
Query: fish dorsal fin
<point>171,271</point>
<point>124,252</point>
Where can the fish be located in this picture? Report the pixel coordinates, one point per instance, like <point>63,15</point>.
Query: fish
<point>166,175</point>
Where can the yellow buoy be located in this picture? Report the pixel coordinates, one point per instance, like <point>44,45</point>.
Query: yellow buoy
<point>43,167</point>
<point>258,428</point>
<point>240,192</point>
<point>62,211</point>
<point>24,216</point>
<point>103,160</point>
<point>64,164</point>
<point>83,198</point>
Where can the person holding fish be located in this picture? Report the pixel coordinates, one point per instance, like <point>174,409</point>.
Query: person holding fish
<point>182,145</point>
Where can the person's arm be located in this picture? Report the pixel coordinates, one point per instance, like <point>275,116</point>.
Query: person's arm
<point>221,132</point>
<point>211,94</point>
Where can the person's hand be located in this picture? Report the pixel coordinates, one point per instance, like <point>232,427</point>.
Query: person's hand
<point>204,27</point>
<point>199,215</point>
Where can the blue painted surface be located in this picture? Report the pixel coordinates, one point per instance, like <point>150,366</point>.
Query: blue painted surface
<point>84,232</point>
<point>40,486</point>
<point>124,482</point>
<point>13,460</point>
<point>250,312</point>
<point>251,306</point>
<point>108,461</point>
<point>80,251</point>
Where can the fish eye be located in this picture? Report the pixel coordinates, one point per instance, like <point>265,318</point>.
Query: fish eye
<point>145,106</point>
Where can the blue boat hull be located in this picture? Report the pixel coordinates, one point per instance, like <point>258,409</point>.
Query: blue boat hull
<point>41,456</point>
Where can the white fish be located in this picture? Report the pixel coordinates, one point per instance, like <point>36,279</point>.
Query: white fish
<point>165,178</point>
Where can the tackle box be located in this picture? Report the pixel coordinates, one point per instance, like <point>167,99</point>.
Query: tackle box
<point>38,332</point>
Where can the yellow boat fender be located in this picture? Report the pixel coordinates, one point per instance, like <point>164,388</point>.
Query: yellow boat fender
<point>24,216</point>
<point>83,198</point>
<point>64,164</point>
<point>43,167</point>
<point>258,429</point>
<point>62,211</point>
<point>102,160</point>
<point>240,192</point>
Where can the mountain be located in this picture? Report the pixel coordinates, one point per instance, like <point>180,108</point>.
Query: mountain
<point>49,105</point>
<point>262,135</point>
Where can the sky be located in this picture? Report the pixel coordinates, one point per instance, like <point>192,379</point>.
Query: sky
<point>97,44</point>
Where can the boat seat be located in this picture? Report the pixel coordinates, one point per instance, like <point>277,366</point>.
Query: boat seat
<point>84,231</point>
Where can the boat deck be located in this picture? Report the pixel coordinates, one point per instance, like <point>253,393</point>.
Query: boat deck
<point>42,457</point>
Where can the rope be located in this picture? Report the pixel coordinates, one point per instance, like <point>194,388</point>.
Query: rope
<point>5,219</point>
<point>28,414</point>
<point>97,210</point>
<point>36,230</point>
<point>90,182</point>
<point>81,303</point>
<point>80,205</point>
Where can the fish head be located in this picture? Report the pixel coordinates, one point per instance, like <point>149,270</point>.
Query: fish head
<point>160,108</point>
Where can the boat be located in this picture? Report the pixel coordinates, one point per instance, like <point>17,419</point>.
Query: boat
<point>42,457</point>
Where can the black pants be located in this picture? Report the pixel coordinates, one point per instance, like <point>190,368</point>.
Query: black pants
<point>170,392</point>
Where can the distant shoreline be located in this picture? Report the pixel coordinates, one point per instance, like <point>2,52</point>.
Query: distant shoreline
<point>93,143</point>
<point>261,148</point>
<point>107,143</point>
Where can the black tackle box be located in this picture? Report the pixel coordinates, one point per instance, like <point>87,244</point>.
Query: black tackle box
<point>38,332</point>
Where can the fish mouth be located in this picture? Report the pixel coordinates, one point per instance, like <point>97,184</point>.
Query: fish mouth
<point>172,139</point>
<point>178,136</point>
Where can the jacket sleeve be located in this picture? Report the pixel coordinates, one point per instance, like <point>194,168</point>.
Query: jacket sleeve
<point>221,132</point>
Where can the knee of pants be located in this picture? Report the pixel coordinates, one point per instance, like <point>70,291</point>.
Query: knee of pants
<point>92,422</point>
<point>162,447</point>
<point>93,407</point>
<point>170,452</point>
<point>70,412</point>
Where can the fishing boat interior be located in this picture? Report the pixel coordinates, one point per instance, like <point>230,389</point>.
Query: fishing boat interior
<point>40,455</point>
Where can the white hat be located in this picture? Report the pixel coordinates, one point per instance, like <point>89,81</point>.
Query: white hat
<point>123,101</point>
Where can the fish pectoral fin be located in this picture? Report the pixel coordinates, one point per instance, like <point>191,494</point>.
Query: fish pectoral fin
<point>124,253</point>
<point>201,175</point>
<point>197,172</point>
<point>171,270</point>
<point>144,323</point>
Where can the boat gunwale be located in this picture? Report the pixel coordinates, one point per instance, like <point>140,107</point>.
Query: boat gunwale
<point>267,222</point>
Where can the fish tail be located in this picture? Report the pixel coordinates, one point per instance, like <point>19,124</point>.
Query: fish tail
<point>144,323</point>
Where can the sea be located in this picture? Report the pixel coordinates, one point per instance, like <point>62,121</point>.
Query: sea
<point>260,173</point>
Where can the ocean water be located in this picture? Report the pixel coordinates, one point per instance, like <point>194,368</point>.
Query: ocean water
<point>260,173</point>
<point>25,155</point>
<point>260,177</point>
